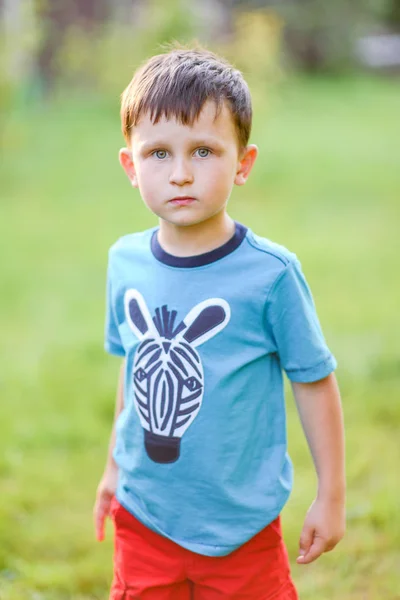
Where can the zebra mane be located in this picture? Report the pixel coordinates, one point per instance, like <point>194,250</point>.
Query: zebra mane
<point>164,321</point>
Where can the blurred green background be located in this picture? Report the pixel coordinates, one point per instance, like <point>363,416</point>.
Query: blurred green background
<point>326,185</point>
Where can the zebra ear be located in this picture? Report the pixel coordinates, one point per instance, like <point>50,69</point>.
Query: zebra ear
<point>137,314</point>
<point>206,320</point>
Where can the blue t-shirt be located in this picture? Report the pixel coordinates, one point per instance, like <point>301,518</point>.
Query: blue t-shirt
<point>201,442</point>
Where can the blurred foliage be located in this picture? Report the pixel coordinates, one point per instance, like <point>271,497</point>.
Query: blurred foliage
<point>18,45</point>
<point>319,36</point>
<point>255,45</point>
<point>98,60</point>
<point>94,44</point>
<point>384,11</point>
<point>6,89</point>
<point>106,56</point>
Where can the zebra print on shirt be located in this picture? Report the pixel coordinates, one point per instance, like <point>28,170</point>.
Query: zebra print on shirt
<point>168,378</point>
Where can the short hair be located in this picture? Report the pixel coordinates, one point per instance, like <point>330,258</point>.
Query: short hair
<point>178,83</point>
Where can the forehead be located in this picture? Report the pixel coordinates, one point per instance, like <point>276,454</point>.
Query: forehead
<point>211,122</point>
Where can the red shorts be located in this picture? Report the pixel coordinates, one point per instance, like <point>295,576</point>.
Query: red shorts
<point>151,567</point>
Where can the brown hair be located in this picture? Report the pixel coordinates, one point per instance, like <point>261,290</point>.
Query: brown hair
<point>178,83</point>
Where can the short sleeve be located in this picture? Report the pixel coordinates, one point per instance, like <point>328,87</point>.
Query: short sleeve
<point>112,342</point>
<point>297,333</point>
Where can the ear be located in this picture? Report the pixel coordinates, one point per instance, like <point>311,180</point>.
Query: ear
<point>137,315</point>
<point>205,320</point>
<point>125,158</point>
<point>246,162</point>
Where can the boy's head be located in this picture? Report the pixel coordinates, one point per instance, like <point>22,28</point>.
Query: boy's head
<point>178,84</point>
<point>186,117</point>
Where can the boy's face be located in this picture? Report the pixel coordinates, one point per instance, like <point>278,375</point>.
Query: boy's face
<point>185,174</point>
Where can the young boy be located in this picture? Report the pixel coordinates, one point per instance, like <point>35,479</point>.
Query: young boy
<point>206,315</point>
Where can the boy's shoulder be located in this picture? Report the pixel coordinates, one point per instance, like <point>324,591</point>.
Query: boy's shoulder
<point>272,250</point>
<point>132,242</point>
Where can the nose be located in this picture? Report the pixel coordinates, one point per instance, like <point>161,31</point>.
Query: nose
<point>181,173</point>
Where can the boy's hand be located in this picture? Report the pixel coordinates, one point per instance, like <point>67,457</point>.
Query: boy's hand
<point>323,528</point>
<point>105,492</point>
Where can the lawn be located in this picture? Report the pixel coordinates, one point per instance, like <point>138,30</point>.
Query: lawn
<point>327,186</point>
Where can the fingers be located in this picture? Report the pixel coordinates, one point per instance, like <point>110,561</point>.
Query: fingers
<point>317,548</point>
<point>100,513</point>
<point>99,520</point>
<point>306,540</point>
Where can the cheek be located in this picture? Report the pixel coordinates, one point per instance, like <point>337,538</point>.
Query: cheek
<point>219,178</point>
<point>148,178</point>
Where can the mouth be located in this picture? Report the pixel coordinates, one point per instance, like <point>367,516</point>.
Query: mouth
<point>182,200</point>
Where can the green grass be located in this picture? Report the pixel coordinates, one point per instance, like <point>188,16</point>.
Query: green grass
<point>327,186</point>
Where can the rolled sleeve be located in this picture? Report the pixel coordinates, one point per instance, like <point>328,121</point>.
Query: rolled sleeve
<point>300,343</point>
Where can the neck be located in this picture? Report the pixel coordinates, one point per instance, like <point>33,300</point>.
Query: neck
<point>192,240</point>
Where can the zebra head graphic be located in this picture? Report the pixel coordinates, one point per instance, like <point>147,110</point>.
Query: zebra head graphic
<point>168,377</point>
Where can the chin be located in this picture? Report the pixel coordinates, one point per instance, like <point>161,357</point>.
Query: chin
<point>184,220</point>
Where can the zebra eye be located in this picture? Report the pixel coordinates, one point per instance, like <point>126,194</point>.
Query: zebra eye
<point>192,384</point>
<point>140,374</point>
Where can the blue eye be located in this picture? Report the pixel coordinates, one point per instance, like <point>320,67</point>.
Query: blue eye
<point>192,384</point>
<point>160,154</point>
<point>140,374</point>
<point>203,152</point>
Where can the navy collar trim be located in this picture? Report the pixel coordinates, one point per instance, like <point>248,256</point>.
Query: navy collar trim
<point>199,260</point>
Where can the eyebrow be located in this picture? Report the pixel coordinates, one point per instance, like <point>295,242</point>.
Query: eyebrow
<point>195,143</point>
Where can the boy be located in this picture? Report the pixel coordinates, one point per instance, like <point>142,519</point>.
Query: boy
<point>206,315</point>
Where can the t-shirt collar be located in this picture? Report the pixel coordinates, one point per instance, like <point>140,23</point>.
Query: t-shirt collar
<point>199,260</point>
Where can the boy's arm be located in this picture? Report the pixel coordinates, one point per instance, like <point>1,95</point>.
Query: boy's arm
<point>321,416</point>
<point>108,482</point>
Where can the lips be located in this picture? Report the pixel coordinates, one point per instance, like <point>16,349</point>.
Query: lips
<point>182,201</point>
